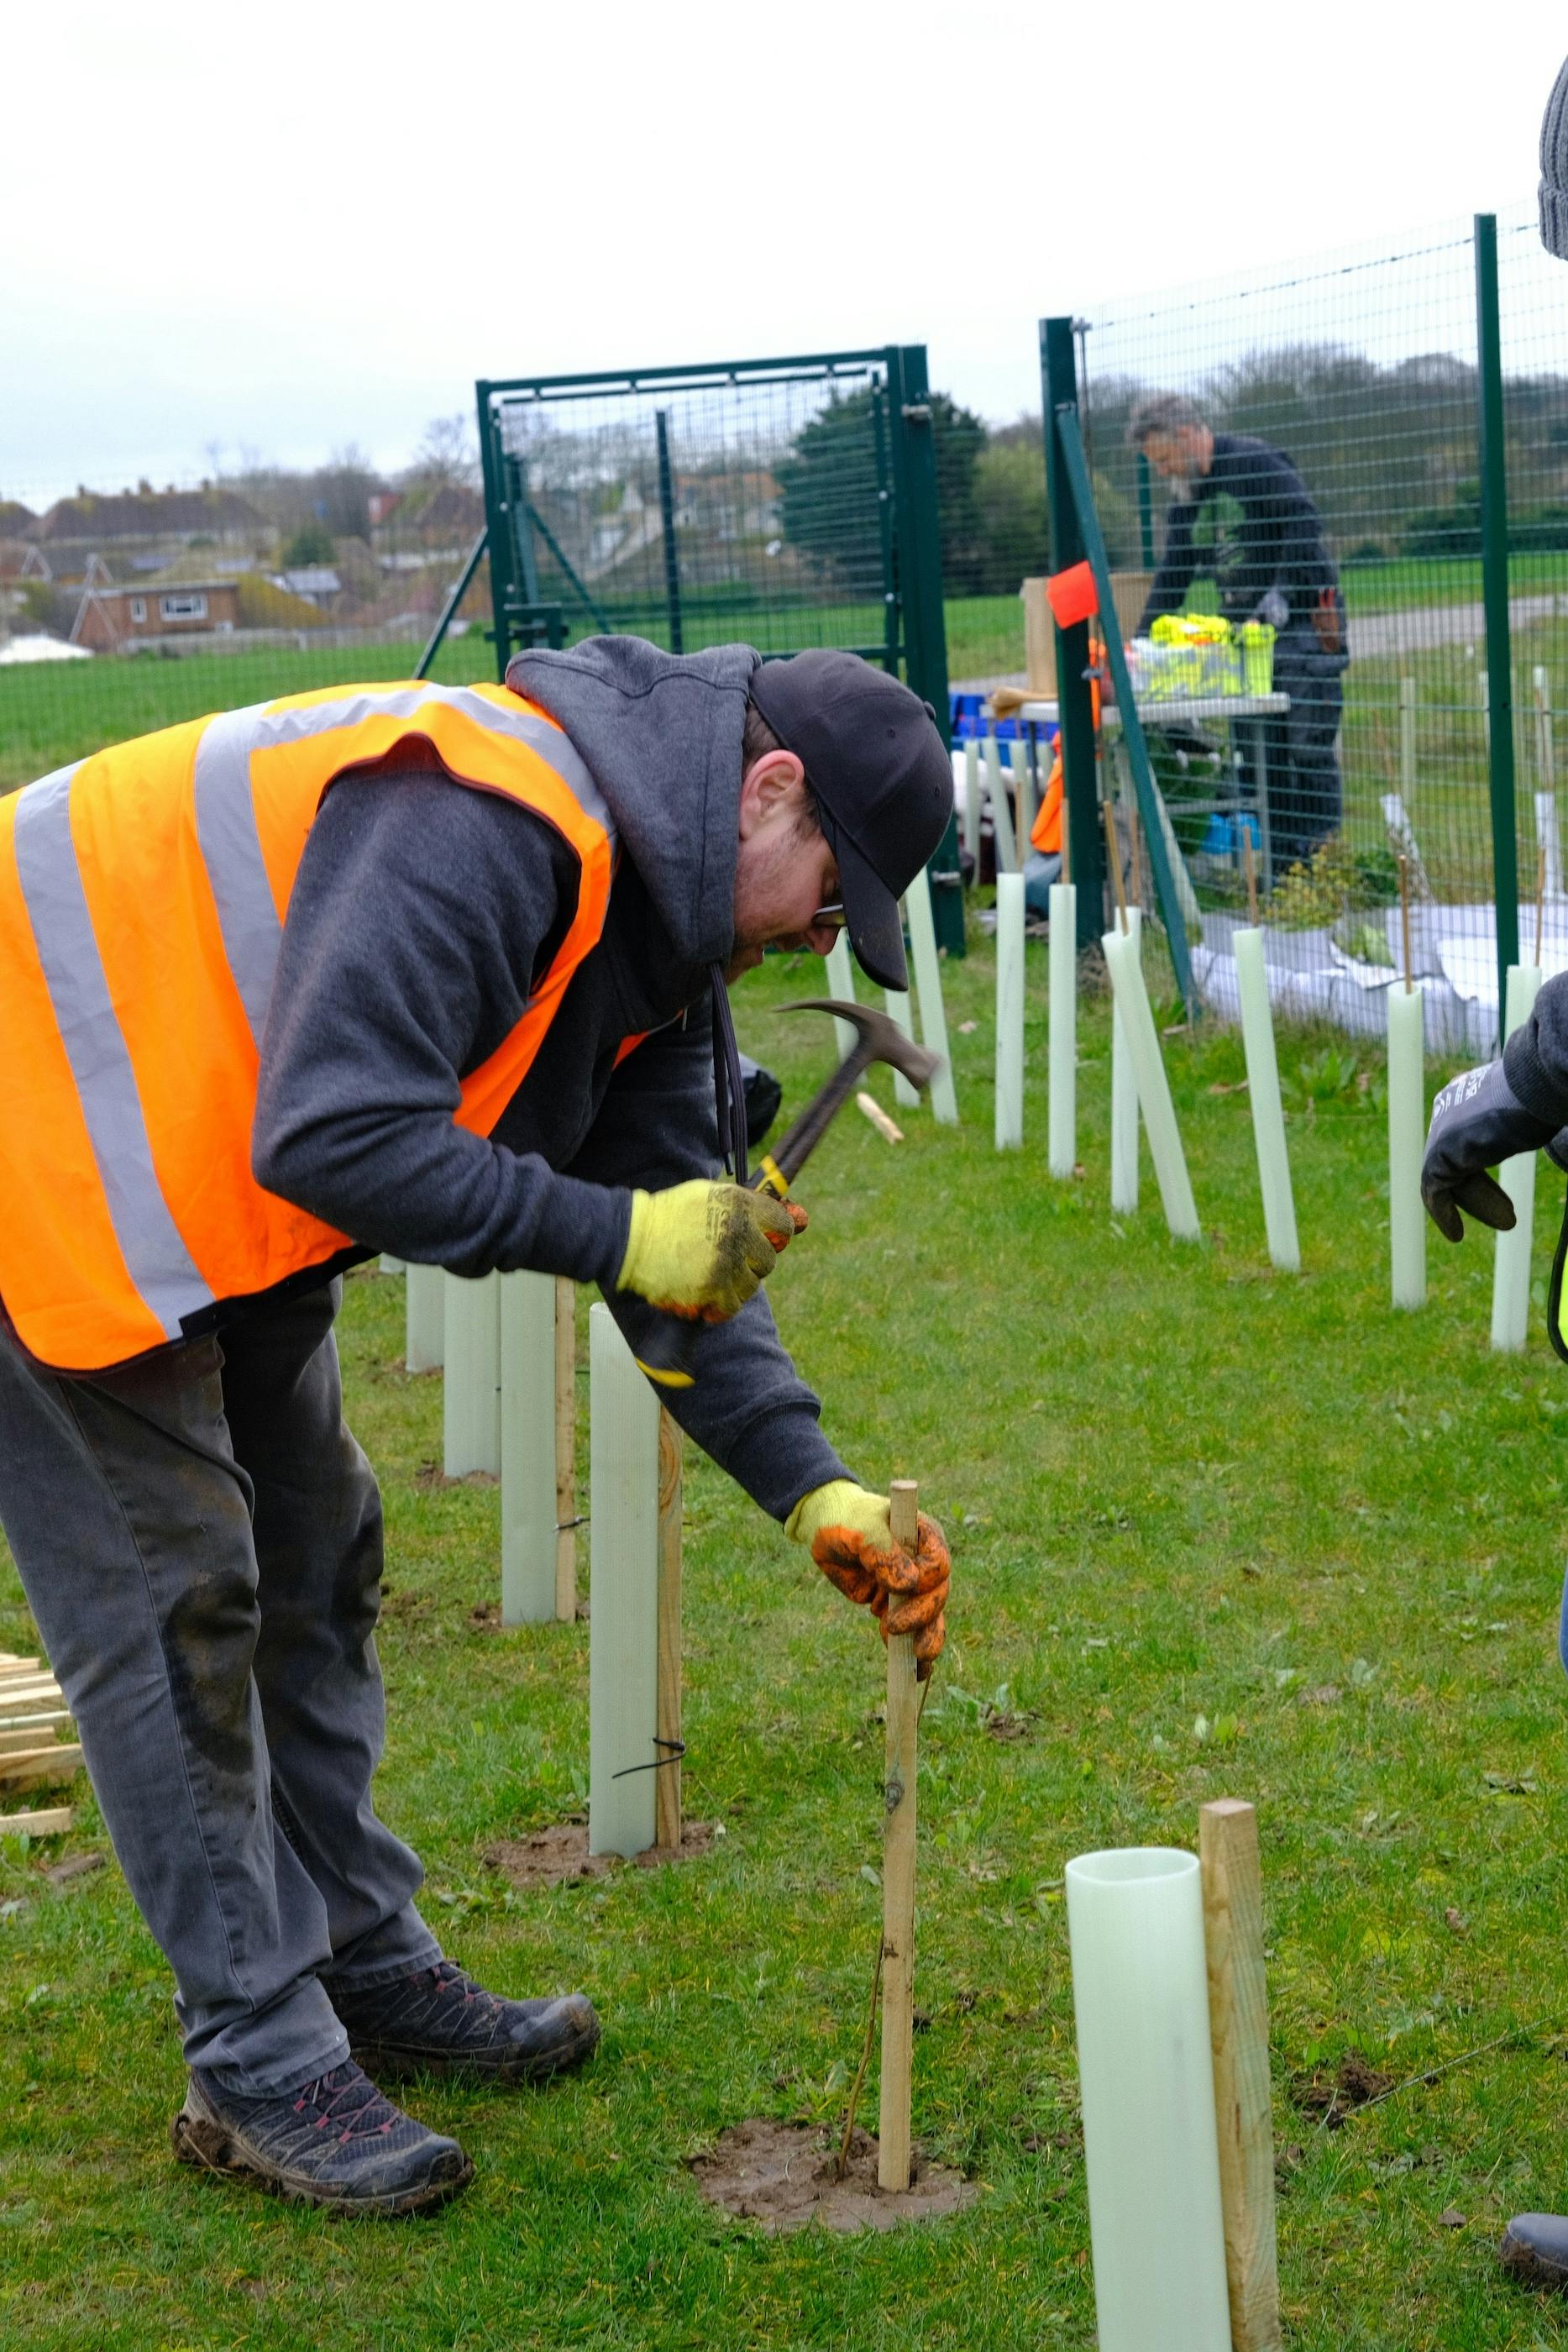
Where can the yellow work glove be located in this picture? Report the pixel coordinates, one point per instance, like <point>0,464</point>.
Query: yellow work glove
<point>851,1538</point>
<point>701,1250</point>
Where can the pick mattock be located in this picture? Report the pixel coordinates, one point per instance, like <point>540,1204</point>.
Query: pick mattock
<point>898,1871</point>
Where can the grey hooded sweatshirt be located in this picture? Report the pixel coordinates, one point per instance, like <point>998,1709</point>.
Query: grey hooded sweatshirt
<point>423,913</point>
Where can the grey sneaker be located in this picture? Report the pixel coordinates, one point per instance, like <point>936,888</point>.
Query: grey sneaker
<point>337,2143</point>
<point>438,2020</point>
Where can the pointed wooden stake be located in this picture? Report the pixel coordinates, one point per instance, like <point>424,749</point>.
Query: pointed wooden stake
<point>898,1875</point>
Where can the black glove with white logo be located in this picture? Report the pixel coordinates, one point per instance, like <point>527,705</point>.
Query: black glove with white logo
<point>1477,1121</point>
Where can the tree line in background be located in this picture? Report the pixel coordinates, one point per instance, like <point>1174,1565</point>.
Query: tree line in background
<point>1389,453</point>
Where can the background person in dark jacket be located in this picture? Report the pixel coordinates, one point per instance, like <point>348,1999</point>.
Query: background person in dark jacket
<point>1240,516</point>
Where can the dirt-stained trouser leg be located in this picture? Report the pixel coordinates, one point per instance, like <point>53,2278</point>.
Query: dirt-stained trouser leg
<point>129,1507</point>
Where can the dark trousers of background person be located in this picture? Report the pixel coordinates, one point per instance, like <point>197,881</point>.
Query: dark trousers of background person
<point>1305,799</point>
<point>200,1540</point>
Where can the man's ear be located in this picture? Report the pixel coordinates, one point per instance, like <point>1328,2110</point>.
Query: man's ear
<point>769,785</point>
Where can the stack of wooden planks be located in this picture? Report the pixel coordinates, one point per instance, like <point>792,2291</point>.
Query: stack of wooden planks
<point>34,1751</point>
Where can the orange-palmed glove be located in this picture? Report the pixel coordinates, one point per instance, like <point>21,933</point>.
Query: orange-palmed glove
<point>849,1535</point>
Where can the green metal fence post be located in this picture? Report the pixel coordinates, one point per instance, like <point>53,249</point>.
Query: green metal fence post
<point>1075,466</point>
<point>920,594</point>
<point>1494,590</point>
<point>496,530</point>
<point>667,517</point>
<point>1059,377</point>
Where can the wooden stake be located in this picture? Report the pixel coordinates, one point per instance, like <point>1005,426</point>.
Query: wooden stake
<point>898,1874</point>
<point>38,1767</point>
<point>888,1129</point>
<point>1405,917</point>
<point>46,1820</point>
<point>1251,873</point>
<point>1238,2033</point>
<point>667,1779</point>
<point>564,1449</point>
<point>1115,864</point>
<point>1135,842</point>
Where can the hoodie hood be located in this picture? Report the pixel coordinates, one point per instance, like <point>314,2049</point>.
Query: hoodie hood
<point>661,734</point>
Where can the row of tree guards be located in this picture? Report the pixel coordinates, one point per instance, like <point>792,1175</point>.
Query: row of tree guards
<point>505,1344</point>
<point>508,1343</point>
<point>1140,1088</point>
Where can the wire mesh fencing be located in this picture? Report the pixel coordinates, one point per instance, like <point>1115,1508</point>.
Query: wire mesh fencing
<point>704,507</point>
<point>1304,452</point>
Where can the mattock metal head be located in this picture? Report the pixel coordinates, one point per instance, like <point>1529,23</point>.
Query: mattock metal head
<point>881,1038</point>
<point>878,1038</point>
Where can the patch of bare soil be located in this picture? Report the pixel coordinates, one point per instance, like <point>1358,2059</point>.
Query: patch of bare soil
<point>430,1478</point>
<point>1335,2096</point>
<point>784,2176</point>
<point>555,1857</point>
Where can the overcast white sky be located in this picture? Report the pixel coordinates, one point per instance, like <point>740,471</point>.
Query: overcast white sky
<point>280,229</point>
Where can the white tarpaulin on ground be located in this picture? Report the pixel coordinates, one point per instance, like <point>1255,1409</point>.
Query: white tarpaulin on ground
<point>40,648</point>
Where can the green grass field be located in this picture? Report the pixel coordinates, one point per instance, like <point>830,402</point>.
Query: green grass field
<point>1215,1530</point>
<point>52,712</point>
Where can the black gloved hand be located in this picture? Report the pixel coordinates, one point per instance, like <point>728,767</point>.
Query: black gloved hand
<point>1477,1121</point>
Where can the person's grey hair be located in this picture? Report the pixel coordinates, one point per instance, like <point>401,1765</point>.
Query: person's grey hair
<point>1163,412</point>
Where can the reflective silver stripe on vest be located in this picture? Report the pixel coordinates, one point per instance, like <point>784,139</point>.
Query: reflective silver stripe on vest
<point>231,851</point>
<point>406,702</point>
<point>226,810</point>
<point>159,1263</point>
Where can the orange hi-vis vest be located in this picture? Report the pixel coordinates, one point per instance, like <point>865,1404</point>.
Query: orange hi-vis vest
<point>143,897</point>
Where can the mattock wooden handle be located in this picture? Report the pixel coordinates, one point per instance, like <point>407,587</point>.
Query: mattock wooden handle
<point>898,1872</point>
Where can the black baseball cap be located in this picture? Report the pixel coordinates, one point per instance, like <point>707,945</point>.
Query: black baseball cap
<point>882,782</point>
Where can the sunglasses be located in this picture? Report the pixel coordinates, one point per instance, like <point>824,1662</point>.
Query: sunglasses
<point>830,917</point>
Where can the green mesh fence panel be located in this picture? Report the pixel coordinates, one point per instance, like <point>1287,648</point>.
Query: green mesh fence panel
<point>1363,369</point>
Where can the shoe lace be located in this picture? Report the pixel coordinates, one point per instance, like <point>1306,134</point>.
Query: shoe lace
<point>347,2100</point>
<point>447,1976</point>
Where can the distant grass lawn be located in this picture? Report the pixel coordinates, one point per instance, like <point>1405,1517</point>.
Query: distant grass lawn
<point>1214,1530</point>
<point>52,712</point>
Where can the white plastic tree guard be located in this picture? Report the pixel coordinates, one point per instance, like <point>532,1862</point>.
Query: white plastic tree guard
<point>528,1449</point>
<point>623,1616</point>
<point>425,1319</point>
<point>897,1003</point>
<point>1023,788</point>
<point>841,985</point>
<point>928,989</point>
<point>1062,1135</point>
<point>1406,1145</point>
<point>471,1418</point>
<point>1263,1092</point>
<point>1009,1012</point>
<point>1510,1267</point>
<point>1005,848</point>
<point>1126,970</point>
<point>1124,1097</point>
<point>1151,2148</point>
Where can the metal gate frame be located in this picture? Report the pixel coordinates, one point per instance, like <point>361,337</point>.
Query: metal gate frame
<point>915,642</point>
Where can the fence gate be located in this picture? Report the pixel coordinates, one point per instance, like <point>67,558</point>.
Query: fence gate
<point>784,503</point>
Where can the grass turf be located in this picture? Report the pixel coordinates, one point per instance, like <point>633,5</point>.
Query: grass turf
<point>1215,1530</point>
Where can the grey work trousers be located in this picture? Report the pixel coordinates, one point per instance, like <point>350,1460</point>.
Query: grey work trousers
<point>200,1540</point>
